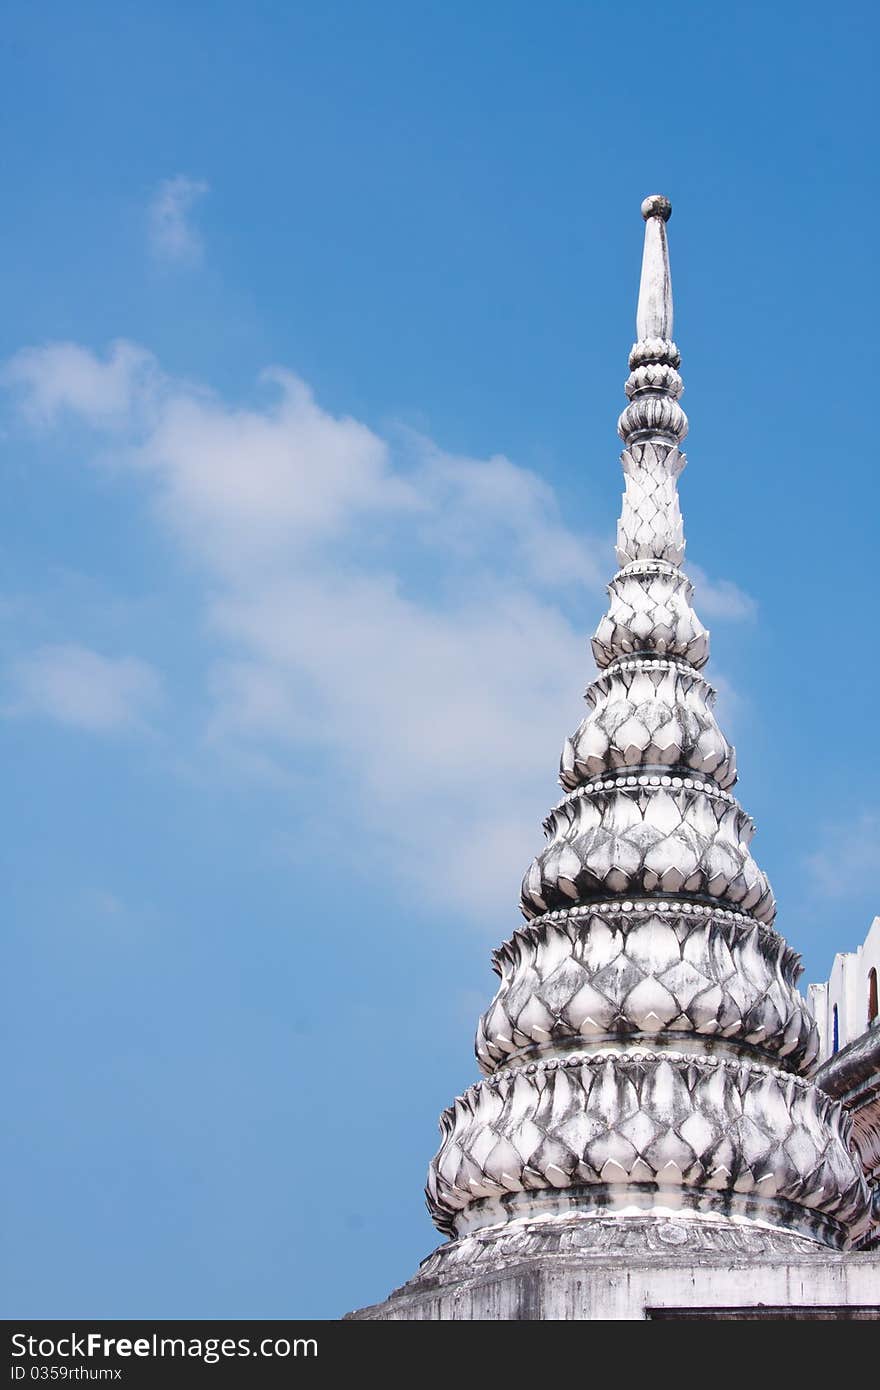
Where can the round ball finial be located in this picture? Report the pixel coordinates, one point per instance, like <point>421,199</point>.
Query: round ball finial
<point>657,206</point>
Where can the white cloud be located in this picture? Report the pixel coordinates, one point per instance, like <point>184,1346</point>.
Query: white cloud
<point>495,505</point>
<point>849,861</point>
<point>720,598</point>
<point>79,687</point>
<point>398,611</point>
<point>64,377</point>
<point>257,487</point>
<point>173,237</point>
<point>732,707</point>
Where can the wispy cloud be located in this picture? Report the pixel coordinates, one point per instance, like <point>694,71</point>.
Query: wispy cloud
<point>732,706</point>
<point>64,377</point>
<point>77,686</point>
<point>720,598</point>
<point>849,861</point>
<point>173,236</point>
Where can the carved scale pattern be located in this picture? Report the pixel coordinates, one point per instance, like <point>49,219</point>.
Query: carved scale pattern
<point>638,972</point>
<point>626,1119</point>
<point>598,1238</point>
<point>648,1047</point>
<point>645,839</point>
<point>656,712</point>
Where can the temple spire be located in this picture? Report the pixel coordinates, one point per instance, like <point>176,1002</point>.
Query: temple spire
<point>647,1053</point>
<point>654,314</point>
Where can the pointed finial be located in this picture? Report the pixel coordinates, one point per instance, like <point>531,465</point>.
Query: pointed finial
<point>654,384</point>
<point>654,314</point>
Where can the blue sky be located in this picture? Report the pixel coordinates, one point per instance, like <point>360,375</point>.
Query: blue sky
<point>314,331</point>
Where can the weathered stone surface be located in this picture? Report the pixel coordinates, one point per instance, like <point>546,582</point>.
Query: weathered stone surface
<point>662,975</point>
<point>650,611</point>
<point>683,838</point>
<point>598,1269</point>
<point>852,1076</point>
<point>654,711</point>
<point>617,1128</point>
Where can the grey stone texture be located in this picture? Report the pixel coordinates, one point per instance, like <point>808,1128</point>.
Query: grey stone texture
<point>617,1271</point>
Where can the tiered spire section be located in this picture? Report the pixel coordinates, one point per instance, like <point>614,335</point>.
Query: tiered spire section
<point>648,1049</point>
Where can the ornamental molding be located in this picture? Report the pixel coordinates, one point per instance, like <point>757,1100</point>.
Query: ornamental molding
<point>689,911</point>
<point>654,376</point>
<point>595,979</point>
<point>633,1119</point>
<point>643,840</point>
<point>656,713</point>
<point>652,414</point>
<point>675,1236</point>
<point>654,350</point>
<point>651,612</point>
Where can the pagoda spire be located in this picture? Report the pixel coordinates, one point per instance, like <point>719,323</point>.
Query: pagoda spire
<point>647,1052</point>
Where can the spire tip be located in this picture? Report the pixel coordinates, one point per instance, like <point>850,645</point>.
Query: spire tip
<point>657,206</point>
